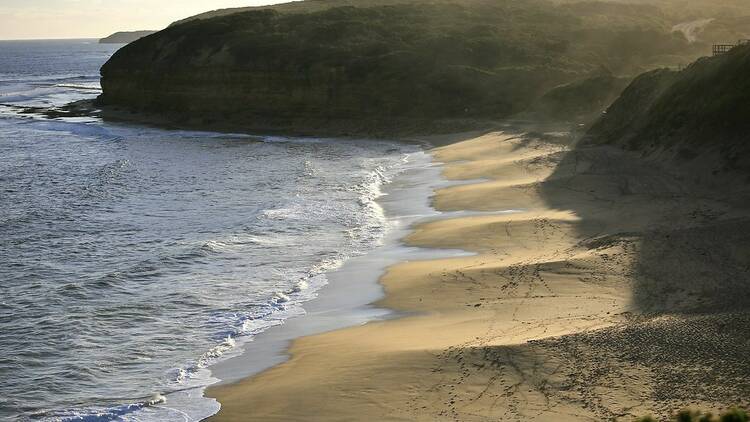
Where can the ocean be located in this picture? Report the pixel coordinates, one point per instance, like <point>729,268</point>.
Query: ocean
<point>133,258</point>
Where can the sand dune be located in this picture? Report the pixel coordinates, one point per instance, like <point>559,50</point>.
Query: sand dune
<point>615,290</point>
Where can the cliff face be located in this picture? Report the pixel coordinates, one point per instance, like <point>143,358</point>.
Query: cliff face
<point>700,113</point>
<point>125,37</point>
<point>469,60</point>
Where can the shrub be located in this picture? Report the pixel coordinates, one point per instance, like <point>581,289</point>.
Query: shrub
<point>733,415</point>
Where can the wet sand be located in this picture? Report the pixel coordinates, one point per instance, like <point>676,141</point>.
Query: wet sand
<point>616,290</point>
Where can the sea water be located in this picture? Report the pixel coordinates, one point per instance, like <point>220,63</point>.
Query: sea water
<point>132,258</point>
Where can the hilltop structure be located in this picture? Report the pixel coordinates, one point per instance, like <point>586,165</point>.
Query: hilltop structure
<point>719,49</point>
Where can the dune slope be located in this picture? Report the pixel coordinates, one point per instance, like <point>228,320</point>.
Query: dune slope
<point>699,115</point>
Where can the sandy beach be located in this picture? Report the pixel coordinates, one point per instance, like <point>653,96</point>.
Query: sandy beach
<point>603,287</point>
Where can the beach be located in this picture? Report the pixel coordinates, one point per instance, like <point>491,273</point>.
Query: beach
<point>591,293</point>
<point>381,210</point>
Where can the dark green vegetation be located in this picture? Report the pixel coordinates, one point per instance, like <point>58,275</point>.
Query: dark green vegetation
<point>734,415</point>
<point>480,60</point>
<point>297,6</point>
<point>125,37</point>
<point>579,100</point>
<point>683,10</point>
<point>697,114</point>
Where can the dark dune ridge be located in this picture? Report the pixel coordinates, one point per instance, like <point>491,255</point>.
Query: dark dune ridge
<point>700,115</point>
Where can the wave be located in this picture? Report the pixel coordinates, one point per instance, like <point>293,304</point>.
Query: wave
<point>216,352</point>
<point>103,415</point>
<point>36,79</point>
<point>288,303</point>
<point>300,286</point>
<point>275,239</point>
<point>68,83</point>
<point>294,211</point>
<point>280,306</point>
<point>214,246</point>
<point>202,134</point>
<point>79,87</point>
<point>106,414</point>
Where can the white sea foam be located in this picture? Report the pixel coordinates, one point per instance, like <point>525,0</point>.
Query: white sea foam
<point>155,399</point>
<point>280,298</point>
<point>91,87</point>
<point>300,286</point>
<point>216,352</point>
<point>283,213</point>
<point>214,246</point>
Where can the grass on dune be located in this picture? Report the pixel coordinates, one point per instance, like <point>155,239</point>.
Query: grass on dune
<point>733,415</point>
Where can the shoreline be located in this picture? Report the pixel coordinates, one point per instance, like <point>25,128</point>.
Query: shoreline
<point>353,290</point>
<point>401,312</point>
<point>410,130</point>
<point>384,309</point>
<point>549,314</point>
<point>338,305</point>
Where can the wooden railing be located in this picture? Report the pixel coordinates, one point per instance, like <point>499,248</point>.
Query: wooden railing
<point>719,49</point>
<point>722,48</point>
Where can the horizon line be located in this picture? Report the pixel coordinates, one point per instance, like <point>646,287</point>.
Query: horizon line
<point>51,39</point>
<point>73,38</point>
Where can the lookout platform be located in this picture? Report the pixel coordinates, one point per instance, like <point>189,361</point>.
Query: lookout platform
<point>719,49</point>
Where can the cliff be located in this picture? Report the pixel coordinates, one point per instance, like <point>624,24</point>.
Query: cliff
<point>299,6</point>
<point>375,63</point>
<point>678,10</point>
<point>698,116</point>
<point>125,37</point>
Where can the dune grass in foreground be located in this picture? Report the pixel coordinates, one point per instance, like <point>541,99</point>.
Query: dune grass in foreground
<point>733,415</point>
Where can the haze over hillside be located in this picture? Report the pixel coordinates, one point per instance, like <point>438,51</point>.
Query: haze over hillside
<point>680,9</point>
<point>327,60</point>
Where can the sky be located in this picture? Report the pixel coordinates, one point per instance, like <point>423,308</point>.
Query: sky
<point>48,19</point>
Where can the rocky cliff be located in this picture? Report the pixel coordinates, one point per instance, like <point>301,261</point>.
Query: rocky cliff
<point>419,61</point>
